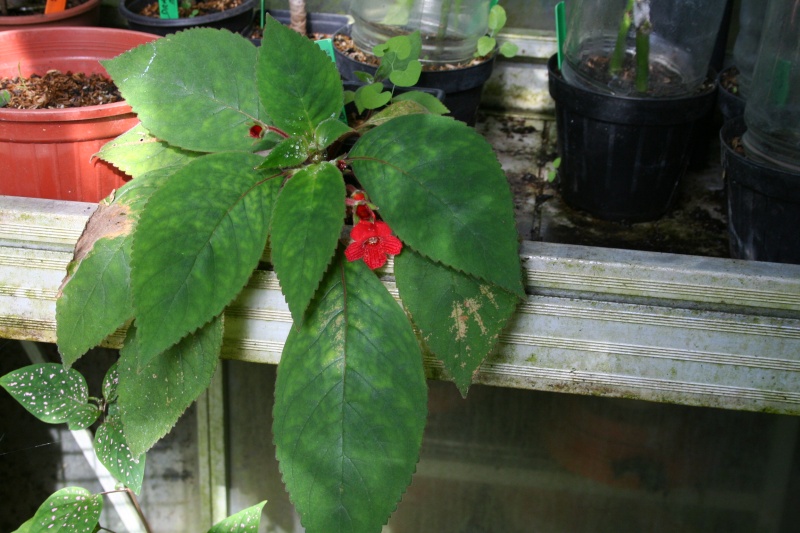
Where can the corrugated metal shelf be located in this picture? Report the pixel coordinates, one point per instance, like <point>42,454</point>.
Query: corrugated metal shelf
<point>654,326</point>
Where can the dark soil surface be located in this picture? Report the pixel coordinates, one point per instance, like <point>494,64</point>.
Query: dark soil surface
<point>56,90</point>
<point>730,80</point>
<point>32,7</point>
<point>346,46</point>
<point>190,8</point>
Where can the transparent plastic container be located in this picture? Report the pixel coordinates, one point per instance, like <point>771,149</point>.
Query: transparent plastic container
<point>772,114</point>
<point>745,49</point>
<point>450,28</point>
<point>680,35</point>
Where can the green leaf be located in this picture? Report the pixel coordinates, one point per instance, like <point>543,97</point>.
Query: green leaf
<point>110,382</point>
<point>137,152</point>
<point>427,100</point>
<point>407,77</point>
<point>245,521</point>
<point>297,82</point>
<point>460,317</point>
<point>497,18</point>
<point>306,225</point>
<point>95,299</point>
<point>485,45</point>
<point>508,49</point>
<point>372,97</point>
<point>196,245</point>
<point>350,405</point>
<point>71,509</point>
<point>50,392</point>
<point>394,110</point>
<point>288,153</point>
<point>83,417</point>
<point>439,186</point>
<point>113,451</point>
<point>151,400</point>
<point>204,74</point>
<point>330,131</point>
<point>399,54</point>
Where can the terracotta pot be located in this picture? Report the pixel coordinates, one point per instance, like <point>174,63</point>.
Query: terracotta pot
<point>48,153</point>
<point>86,14</point>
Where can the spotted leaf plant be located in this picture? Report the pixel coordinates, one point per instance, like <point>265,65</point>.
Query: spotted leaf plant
<point>242,147</point>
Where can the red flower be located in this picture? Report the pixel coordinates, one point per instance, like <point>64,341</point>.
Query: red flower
<point>372,241</point>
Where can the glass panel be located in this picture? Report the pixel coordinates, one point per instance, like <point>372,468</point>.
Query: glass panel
<point>513,460</point>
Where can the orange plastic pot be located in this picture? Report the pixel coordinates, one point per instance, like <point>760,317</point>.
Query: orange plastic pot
<point>86,14</point>
<point>49,153</point>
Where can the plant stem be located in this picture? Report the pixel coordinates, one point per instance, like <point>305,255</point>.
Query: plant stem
<point>642,57</point>
<point>135,502</point>
<point>618,56</point>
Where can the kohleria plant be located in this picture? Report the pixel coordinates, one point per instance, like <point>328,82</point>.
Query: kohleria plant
<point>240,147</point>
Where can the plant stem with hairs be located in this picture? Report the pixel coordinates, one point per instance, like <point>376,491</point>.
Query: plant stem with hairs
<point>297,16</point>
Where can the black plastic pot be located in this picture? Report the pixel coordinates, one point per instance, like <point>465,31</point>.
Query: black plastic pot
<point>327,23</point>
<point>462,86</point>
<point>730,105</point>
<point>763,204</point>
<point>235,20</point>
<point>622,158</point>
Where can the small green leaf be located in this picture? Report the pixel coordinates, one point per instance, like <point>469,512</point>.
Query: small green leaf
<point>113,451</point>
<point>397,54</point>
<point>350,404</point>
<point>83,417</point>
<point>508,49</point>
<point>71,509</point>
<point>288,153</point>
<point>440,187</point>
<point>245,521</point>
<point>329,131</point>
<point>400,45</point>
<point>151,400</point>
<point>110,382</point>
<point>497,18</point>
<point>430,102</point>
<point>394,110</point>
<point>407,77</point>
<point>196,245</point>
<point>485,45</point>
<point>364,77</point>
<point>372,97</point>
<point>460,317</point>
<point>137,152</point>
<point>297,82</point>
<point>306,225</point>
<point>204,74</point>
<point>50,392</point>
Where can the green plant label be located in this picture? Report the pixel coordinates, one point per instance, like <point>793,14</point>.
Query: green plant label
<point>326,45</point>
<point>168,9</point>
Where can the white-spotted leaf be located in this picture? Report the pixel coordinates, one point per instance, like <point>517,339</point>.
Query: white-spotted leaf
<point>72,509</point>
<point>48,391</point>
<point>113,451</point>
